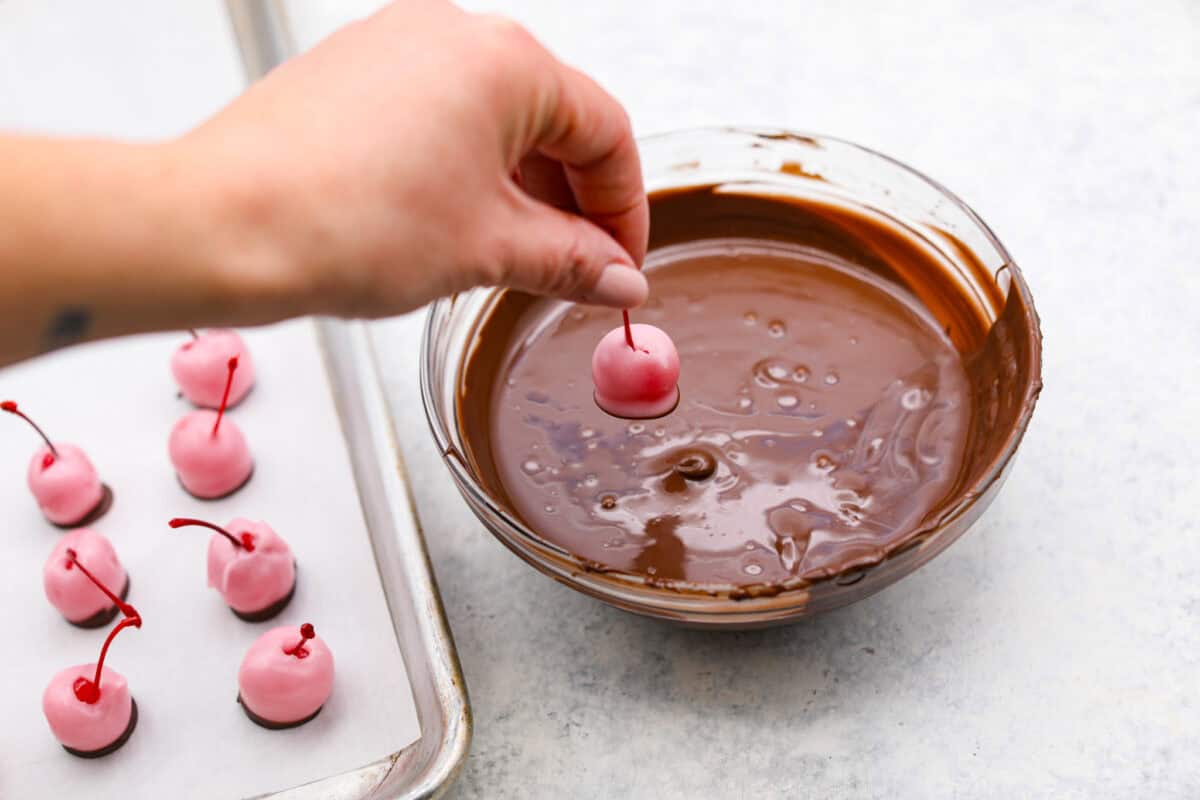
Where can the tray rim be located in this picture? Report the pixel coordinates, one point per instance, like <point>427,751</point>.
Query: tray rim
<point>427,767</point>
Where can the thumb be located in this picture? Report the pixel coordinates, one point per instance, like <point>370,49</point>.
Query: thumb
<point>552,252</point>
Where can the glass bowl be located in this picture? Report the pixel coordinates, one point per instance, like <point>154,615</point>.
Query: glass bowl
<point>783,163</point>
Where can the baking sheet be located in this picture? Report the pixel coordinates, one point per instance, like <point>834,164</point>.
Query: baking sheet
<point>118,402</point>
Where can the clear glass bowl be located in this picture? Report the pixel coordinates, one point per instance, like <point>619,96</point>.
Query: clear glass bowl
<point>777,162</point>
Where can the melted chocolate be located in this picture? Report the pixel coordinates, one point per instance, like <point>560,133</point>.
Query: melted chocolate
<point>99,510</point>
<point>230,493</point>
<point>101,618</point>
<point>117,744</point>
<point>839,394</point>
<point>271,611</point>
<point>271,724</point>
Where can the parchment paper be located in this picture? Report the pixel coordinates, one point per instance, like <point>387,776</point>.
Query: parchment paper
<point>118,402</point>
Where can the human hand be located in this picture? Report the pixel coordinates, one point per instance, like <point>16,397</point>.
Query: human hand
<point>422,152</point>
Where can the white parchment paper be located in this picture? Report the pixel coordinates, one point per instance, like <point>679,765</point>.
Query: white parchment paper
<point>118,402</point>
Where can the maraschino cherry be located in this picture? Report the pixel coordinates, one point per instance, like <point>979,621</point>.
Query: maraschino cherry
<point>209,451</point>
<point>286,677</point>
<point>250,565</point>
<point>88,706</point>
<point>76,590</point>
<point>63,480</point>
<point>635,369</point>
<point>199,367</point>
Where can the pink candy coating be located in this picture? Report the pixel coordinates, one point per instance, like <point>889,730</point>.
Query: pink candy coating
<point>201,367</point>
<point>639,382</point>
<point>281,687</point>
<point>87,726</point>
<point>251,580</point>
<point>66,489</point>
<point>209,466</point>
<point>68,589</point>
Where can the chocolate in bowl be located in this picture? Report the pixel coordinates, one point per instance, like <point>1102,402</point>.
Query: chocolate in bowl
<point>859,361</point>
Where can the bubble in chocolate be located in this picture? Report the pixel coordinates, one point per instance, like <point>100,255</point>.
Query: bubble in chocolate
<point>696,465</point>
<point>915,399</point>
<point>790,553</point>
<point>750,318</point>
<point>787,400</point>
<point>608,502</point>
<point>800,374</point>
<point>776,328</point>
<point>831,378</point>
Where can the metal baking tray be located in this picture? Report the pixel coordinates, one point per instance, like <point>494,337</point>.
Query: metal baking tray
<point>425,768</point>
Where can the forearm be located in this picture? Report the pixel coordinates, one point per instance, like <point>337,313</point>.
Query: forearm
<point>101,239</point>
<point>417,154</point>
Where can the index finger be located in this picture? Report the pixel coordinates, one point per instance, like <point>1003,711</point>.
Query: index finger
<point>587,130</point>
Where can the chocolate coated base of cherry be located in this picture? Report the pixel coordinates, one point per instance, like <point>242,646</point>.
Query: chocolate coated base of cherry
<point>230,493</point>
<point>99,510</point>
<point>264,614</point>
<point>102,618</point>
<point>116,745</point>
<point>272,725</point>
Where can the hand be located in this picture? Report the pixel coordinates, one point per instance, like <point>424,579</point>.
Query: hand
<point>422,152</point>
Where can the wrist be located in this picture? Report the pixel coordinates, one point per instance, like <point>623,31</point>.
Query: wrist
<point>239,233</point>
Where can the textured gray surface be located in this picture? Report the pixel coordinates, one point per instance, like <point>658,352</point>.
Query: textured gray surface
<point>1055,650</point>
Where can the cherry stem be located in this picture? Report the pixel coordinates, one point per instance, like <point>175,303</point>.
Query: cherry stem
<point>11,407</point>
<point>233,363</point>
<point>245,543</point>
<point>73,560</point>
<point>90,692</point>
<point>306,633</point>
<point>192,331</point>
<point>135,621</point>
<point>628,330</point>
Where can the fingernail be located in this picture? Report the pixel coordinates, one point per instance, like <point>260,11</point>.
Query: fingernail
<point>620,286</point>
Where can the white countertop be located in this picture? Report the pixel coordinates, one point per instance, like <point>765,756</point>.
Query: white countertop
<point>1055,650</point>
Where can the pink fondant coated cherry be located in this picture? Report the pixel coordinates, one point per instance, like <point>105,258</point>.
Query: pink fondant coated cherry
<point>88,706</point>
<point>76,590</point>
<point>250,565</point>
<point>209,452</point>
<point>635,369</point>
<point>62,479</point>
<point>285,677</point>
<point>199,367</point>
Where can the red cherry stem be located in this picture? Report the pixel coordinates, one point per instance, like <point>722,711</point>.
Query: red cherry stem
<point>306,633</point>
<point>628,330</point>
<point>245,543</point>
<point>134,621</point>
<point>11,407</point>
<point>73,560</point>
<point>233,363</point>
